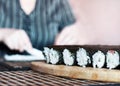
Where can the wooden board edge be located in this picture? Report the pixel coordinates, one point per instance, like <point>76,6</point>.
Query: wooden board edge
<point>102,74</point>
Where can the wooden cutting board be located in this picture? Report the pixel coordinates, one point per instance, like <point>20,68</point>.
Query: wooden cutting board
<point>78,72</point>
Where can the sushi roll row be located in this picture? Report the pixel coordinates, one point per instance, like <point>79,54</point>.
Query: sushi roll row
<point>56,57</point>
<point>111,59</point>
<point>67,57</point>
<point>81,57</point>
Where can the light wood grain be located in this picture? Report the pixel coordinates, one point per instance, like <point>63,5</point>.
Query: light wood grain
<point>77,72</point>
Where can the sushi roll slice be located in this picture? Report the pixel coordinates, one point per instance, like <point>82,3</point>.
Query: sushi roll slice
<point>47,54</point>
<point>68,57</point>
<point>82,58</point>
<point>112,59</point>
<point>55,56</point>
<point>98,59</point>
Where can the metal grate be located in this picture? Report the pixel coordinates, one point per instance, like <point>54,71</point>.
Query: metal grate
<point>31,78</point>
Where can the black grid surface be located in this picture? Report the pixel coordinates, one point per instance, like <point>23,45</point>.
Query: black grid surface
<point>31,78</point>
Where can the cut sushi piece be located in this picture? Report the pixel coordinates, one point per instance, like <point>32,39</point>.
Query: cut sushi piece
<point>47,54</point>
<point>52,56</point>
<point>82,58</point>
<point>112,59</point>
<point>68,57</point>
<point>98,59</point>
<point>55,56</point>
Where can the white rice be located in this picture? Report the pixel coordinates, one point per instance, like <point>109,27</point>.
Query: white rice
<point>68,57</point>
<point>82,58</point>
<point>98,59</point>
<point>112,59</point>
<point>54,56</point>
<point>47,54</point>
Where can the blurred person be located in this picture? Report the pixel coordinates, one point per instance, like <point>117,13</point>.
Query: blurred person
<point>25,24</point>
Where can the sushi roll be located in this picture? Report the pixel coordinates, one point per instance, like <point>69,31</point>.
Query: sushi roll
<point>82,58</point>
<point>68,57</point>
<point>46,52</point>
<point>52,56</point>
<point>98,59</point>
<point>112,59</point>
<point>55,56</point>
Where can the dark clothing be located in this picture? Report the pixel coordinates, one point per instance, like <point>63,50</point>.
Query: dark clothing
<point>42,25</point>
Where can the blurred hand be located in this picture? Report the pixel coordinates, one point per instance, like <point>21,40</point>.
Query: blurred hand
<point>16,40</point>
<point>69,36</point>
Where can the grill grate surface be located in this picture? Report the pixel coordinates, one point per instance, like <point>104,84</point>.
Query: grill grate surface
<point>31,78</point>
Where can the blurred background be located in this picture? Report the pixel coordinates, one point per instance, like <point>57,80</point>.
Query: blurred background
<point>98,17</point>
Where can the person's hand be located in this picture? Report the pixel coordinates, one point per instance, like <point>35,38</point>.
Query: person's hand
<point>69,36</point>
<point>16,40</point>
